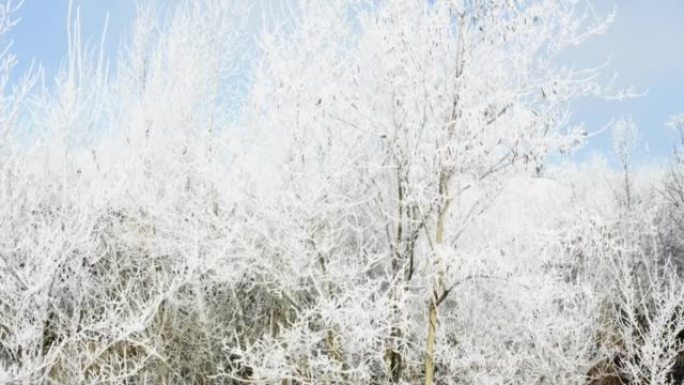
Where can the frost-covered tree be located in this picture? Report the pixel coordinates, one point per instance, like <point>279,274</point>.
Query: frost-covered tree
<point>625,134</point>
<point>118,205</point>
<point>409,115</point>
<point>354,199</point>
<point>671,226</point>
<point>674,185</point>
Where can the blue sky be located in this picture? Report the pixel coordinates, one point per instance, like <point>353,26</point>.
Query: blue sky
<point>645,45</point>
<point>41,33</point>
<point>646,49</point>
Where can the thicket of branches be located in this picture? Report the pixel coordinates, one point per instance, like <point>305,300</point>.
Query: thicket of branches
<point>359,197</point>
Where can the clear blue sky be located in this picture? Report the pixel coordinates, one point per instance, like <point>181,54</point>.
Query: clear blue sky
<point>646,48</point>
<point>646,45</point>
<point>41,33</point>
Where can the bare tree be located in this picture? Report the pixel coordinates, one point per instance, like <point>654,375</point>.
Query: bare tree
<point>417,113</point>
<point>625,134</point>
<point>346,201</point>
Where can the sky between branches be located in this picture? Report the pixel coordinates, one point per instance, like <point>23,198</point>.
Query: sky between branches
<point>645,47</point>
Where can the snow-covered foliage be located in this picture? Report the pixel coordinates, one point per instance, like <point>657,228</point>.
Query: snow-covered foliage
<point>358,198</point>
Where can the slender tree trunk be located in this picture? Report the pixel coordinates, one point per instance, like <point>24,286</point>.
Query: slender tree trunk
<point>431,341</point>
<point>396,364</point>
<point>438,286</point>
<point>393,352</point>
<point>444,179</point>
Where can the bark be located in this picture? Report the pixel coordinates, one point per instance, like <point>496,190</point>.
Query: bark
<point>438,284</point>
<point>439,292</point>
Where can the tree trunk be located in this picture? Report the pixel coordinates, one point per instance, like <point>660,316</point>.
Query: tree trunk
<point>431,340</point>
<point>438,287</point>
